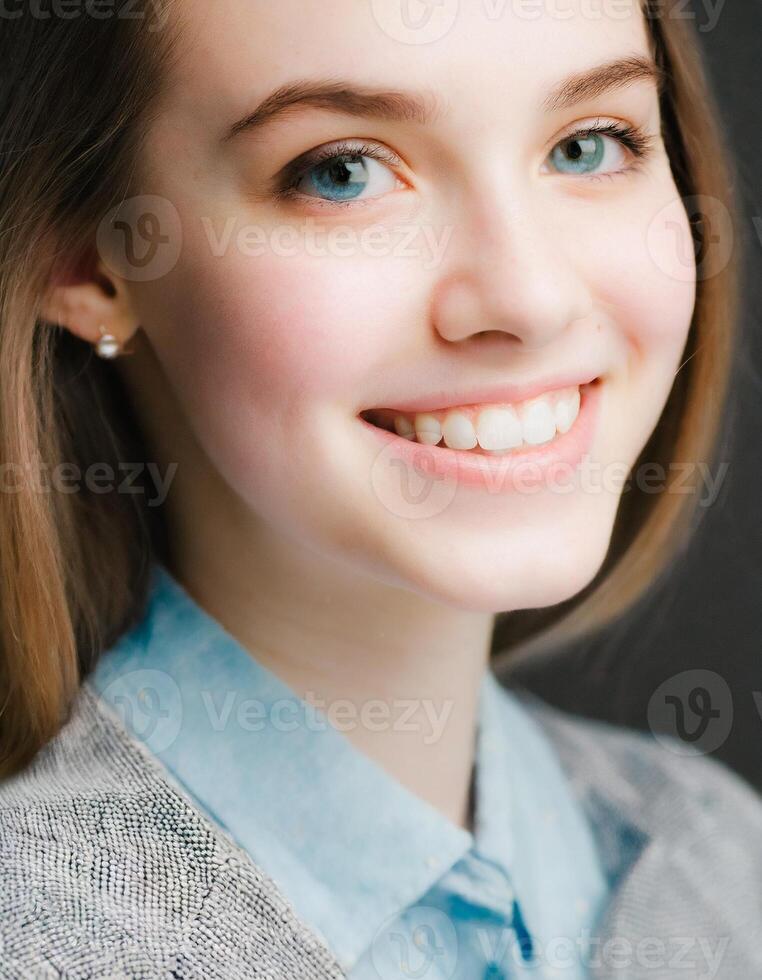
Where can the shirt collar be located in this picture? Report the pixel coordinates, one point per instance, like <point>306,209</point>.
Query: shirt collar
<point>317,815</point>
<point>528,819</point>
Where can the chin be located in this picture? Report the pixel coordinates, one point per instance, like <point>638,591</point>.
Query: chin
<point>525,576</point>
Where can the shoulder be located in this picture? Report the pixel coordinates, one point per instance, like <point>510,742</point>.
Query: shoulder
<point>680,837</point>
<point>106,861</point>
<point>667,789</point>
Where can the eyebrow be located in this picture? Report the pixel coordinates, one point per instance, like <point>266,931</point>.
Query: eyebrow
<point>335,95</point>
<point>603,78</point>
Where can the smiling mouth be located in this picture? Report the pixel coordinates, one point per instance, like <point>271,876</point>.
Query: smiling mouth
<point>491,429</point>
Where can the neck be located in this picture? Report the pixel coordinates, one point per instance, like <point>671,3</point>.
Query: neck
<point>396,673</point>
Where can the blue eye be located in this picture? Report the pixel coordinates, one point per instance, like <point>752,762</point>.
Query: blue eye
<point>343,178</point>
<point>587,151</point>
<point>341,174</point>
<point>579,156</point>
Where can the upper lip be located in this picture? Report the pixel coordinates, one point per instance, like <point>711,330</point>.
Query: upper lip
<point>494,393</point>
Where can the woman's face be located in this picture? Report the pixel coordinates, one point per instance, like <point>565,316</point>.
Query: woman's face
<point>462,242</point>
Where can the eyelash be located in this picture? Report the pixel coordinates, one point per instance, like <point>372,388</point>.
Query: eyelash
<point>301,166</point>
<point>635,139</point>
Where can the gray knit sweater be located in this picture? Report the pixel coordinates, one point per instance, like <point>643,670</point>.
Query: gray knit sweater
<point>109,870</point>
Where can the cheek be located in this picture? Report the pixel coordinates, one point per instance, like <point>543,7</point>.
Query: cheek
<point>285,335</point>
<point>278,334</point>
<point>264,351</point>
<point>645,284</point>
<point>643,270</point>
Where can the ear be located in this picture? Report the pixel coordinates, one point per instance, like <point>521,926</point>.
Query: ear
<point>88,297</point>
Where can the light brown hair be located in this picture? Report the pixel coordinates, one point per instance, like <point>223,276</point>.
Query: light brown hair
<point>75,107</point>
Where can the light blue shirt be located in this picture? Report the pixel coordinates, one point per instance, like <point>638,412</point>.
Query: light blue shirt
<point>393,887</point>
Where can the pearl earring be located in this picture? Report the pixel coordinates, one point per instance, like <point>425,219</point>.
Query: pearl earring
<point>108,346</point>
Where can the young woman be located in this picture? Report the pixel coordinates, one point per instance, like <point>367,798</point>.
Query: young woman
<point>328,341</point>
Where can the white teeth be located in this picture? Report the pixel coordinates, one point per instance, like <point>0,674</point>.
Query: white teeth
<point>567,410</point>
<point>499,428</point>
<point>404,427</point>
<point>427,429</point>
<point>538,421</point>
<point>458,431</point>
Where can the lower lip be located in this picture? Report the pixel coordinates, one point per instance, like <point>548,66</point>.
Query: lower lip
<point>512,470</point>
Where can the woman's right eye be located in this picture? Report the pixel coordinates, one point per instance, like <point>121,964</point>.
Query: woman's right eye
<point>342,177</point>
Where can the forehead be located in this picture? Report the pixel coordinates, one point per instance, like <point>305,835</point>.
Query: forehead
<point>479,54</point>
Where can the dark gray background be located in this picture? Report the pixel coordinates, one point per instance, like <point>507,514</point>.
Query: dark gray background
<point>707,613</point>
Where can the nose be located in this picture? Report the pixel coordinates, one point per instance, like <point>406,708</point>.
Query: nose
<point>508,274</point>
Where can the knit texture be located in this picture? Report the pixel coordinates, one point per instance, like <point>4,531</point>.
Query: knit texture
<point>681,837</point>
<point>109,870</point>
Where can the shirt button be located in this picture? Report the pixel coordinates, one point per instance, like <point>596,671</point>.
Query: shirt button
<point>432,861</point>
<point>494,972</point>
